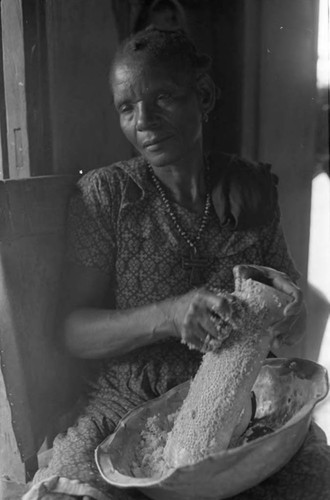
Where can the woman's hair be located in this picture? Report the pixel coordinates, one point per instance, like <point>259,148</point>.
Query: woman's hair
<point>171,47</point>
<point>157,13</point>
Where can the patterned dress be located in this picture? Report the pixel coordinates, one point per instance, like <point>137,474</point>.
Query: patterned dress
<point>118,225</point>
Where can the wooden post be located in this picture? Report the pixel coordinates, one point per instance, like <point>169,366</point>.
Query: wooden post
<point>10,460</point>
<point>4,170</point>
<point>14,88</point>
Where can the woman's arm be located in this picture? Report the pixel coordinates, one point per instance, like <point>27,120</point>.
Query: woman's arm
<point>91,326</point>
<point>93,331</point>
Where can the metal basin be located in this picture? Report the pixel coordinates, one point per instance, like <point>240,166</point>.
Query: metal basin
<point>286,392</point>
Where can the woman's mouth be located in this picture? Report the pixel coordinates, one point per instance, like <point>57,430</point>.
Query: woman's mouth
<point>154,144</point>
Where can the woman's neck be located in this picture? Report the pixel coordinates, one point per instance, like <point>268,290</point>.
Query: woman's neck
<point>184,183</point>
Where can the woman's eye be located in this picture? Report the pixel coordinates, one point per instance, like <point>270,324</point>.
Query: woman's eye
<point>125,108</point>
<point>164,98</point>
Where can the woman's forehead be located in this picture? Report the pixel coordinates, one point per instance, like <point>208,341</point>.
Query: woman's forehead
<point>134,71</point>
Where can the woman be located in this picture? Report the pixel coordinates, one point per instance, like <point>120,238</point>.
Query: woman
<point>146,245</point>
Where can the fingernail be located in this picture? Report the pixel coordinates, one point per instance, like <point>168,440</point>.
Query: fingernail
<point>276,344</point>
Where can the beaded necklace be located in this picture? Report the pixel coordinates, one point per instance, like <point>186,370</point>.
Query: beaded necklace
<point>193,262</point>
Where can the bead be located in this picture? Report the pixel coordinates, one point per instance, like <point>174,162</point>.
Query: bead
<point>191,242</point>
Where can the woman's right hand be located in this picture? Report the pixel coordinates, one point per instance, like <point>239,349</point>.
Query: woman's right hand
<point>196,315</point>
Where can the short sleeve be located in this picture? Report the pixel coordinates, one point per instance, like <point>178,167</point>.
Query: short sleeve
<point>91,237</point>
<point>275,250</point>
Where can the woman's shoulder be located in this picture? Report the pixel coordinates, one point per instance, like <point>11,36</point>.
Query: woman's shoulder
<point>244,193</point>
<point>122,179</point>
<point>118,172</point>
<point>227,163</point>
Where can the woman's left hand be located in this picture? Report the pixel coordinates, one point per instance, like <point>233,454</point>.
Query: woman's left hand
<point>290,329</point>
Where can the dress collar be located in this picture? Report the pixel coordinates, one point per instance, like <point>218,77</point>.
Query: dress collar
<point>136,169</point>
<point>138,183</point>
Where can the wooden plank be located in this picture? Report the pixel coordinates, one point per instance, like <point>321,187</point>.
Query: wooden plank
<point>32,227</point>
<point>14,85</point>
<point>10,461</point>
<point>37,87</point>
<point>34,206</point>
<point>4,166</point>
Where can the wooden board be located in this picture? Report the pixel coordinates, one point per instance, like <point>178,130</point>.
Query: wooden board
<point>10,460</point>
<point>14,88</point>
<point>32,225</point>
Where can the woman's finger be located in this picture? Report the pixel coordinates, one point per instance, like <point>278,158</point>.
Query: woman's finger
<point>256,273</point>
<point>223,306</point>
<point>208,325</point>
<point>285,339</point>
<point>208,343</point>
<point>284,284</point>
<point>215,319</point>
<point>199,340</point>
<point>288,331</point>
<point>276,343</point>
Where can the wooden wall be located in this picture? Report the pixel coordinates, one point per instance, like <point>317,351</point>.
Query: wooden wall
<point>81,39</point>
<point>279,110</point>
<point>216,26</point>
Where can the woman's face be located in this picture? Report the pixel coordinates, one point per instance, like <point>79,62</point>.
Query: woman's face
<point>160,111</point>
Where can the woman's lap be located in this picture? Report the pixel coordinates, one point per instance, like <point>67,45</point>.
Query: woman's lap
<point>119,388</point>
<point>73,451</point>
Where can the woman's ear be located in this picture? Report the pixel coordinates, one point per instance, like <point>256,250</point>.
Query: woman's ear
<point>206,91</point>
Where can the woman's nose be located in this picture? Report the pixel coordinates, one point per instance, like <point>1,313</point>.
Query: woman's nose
<point>146,116</point>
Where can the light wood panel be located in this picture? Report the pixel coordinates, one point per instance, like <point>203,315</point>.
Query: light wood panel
<point>14,88</point>
<point>10,459</point>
